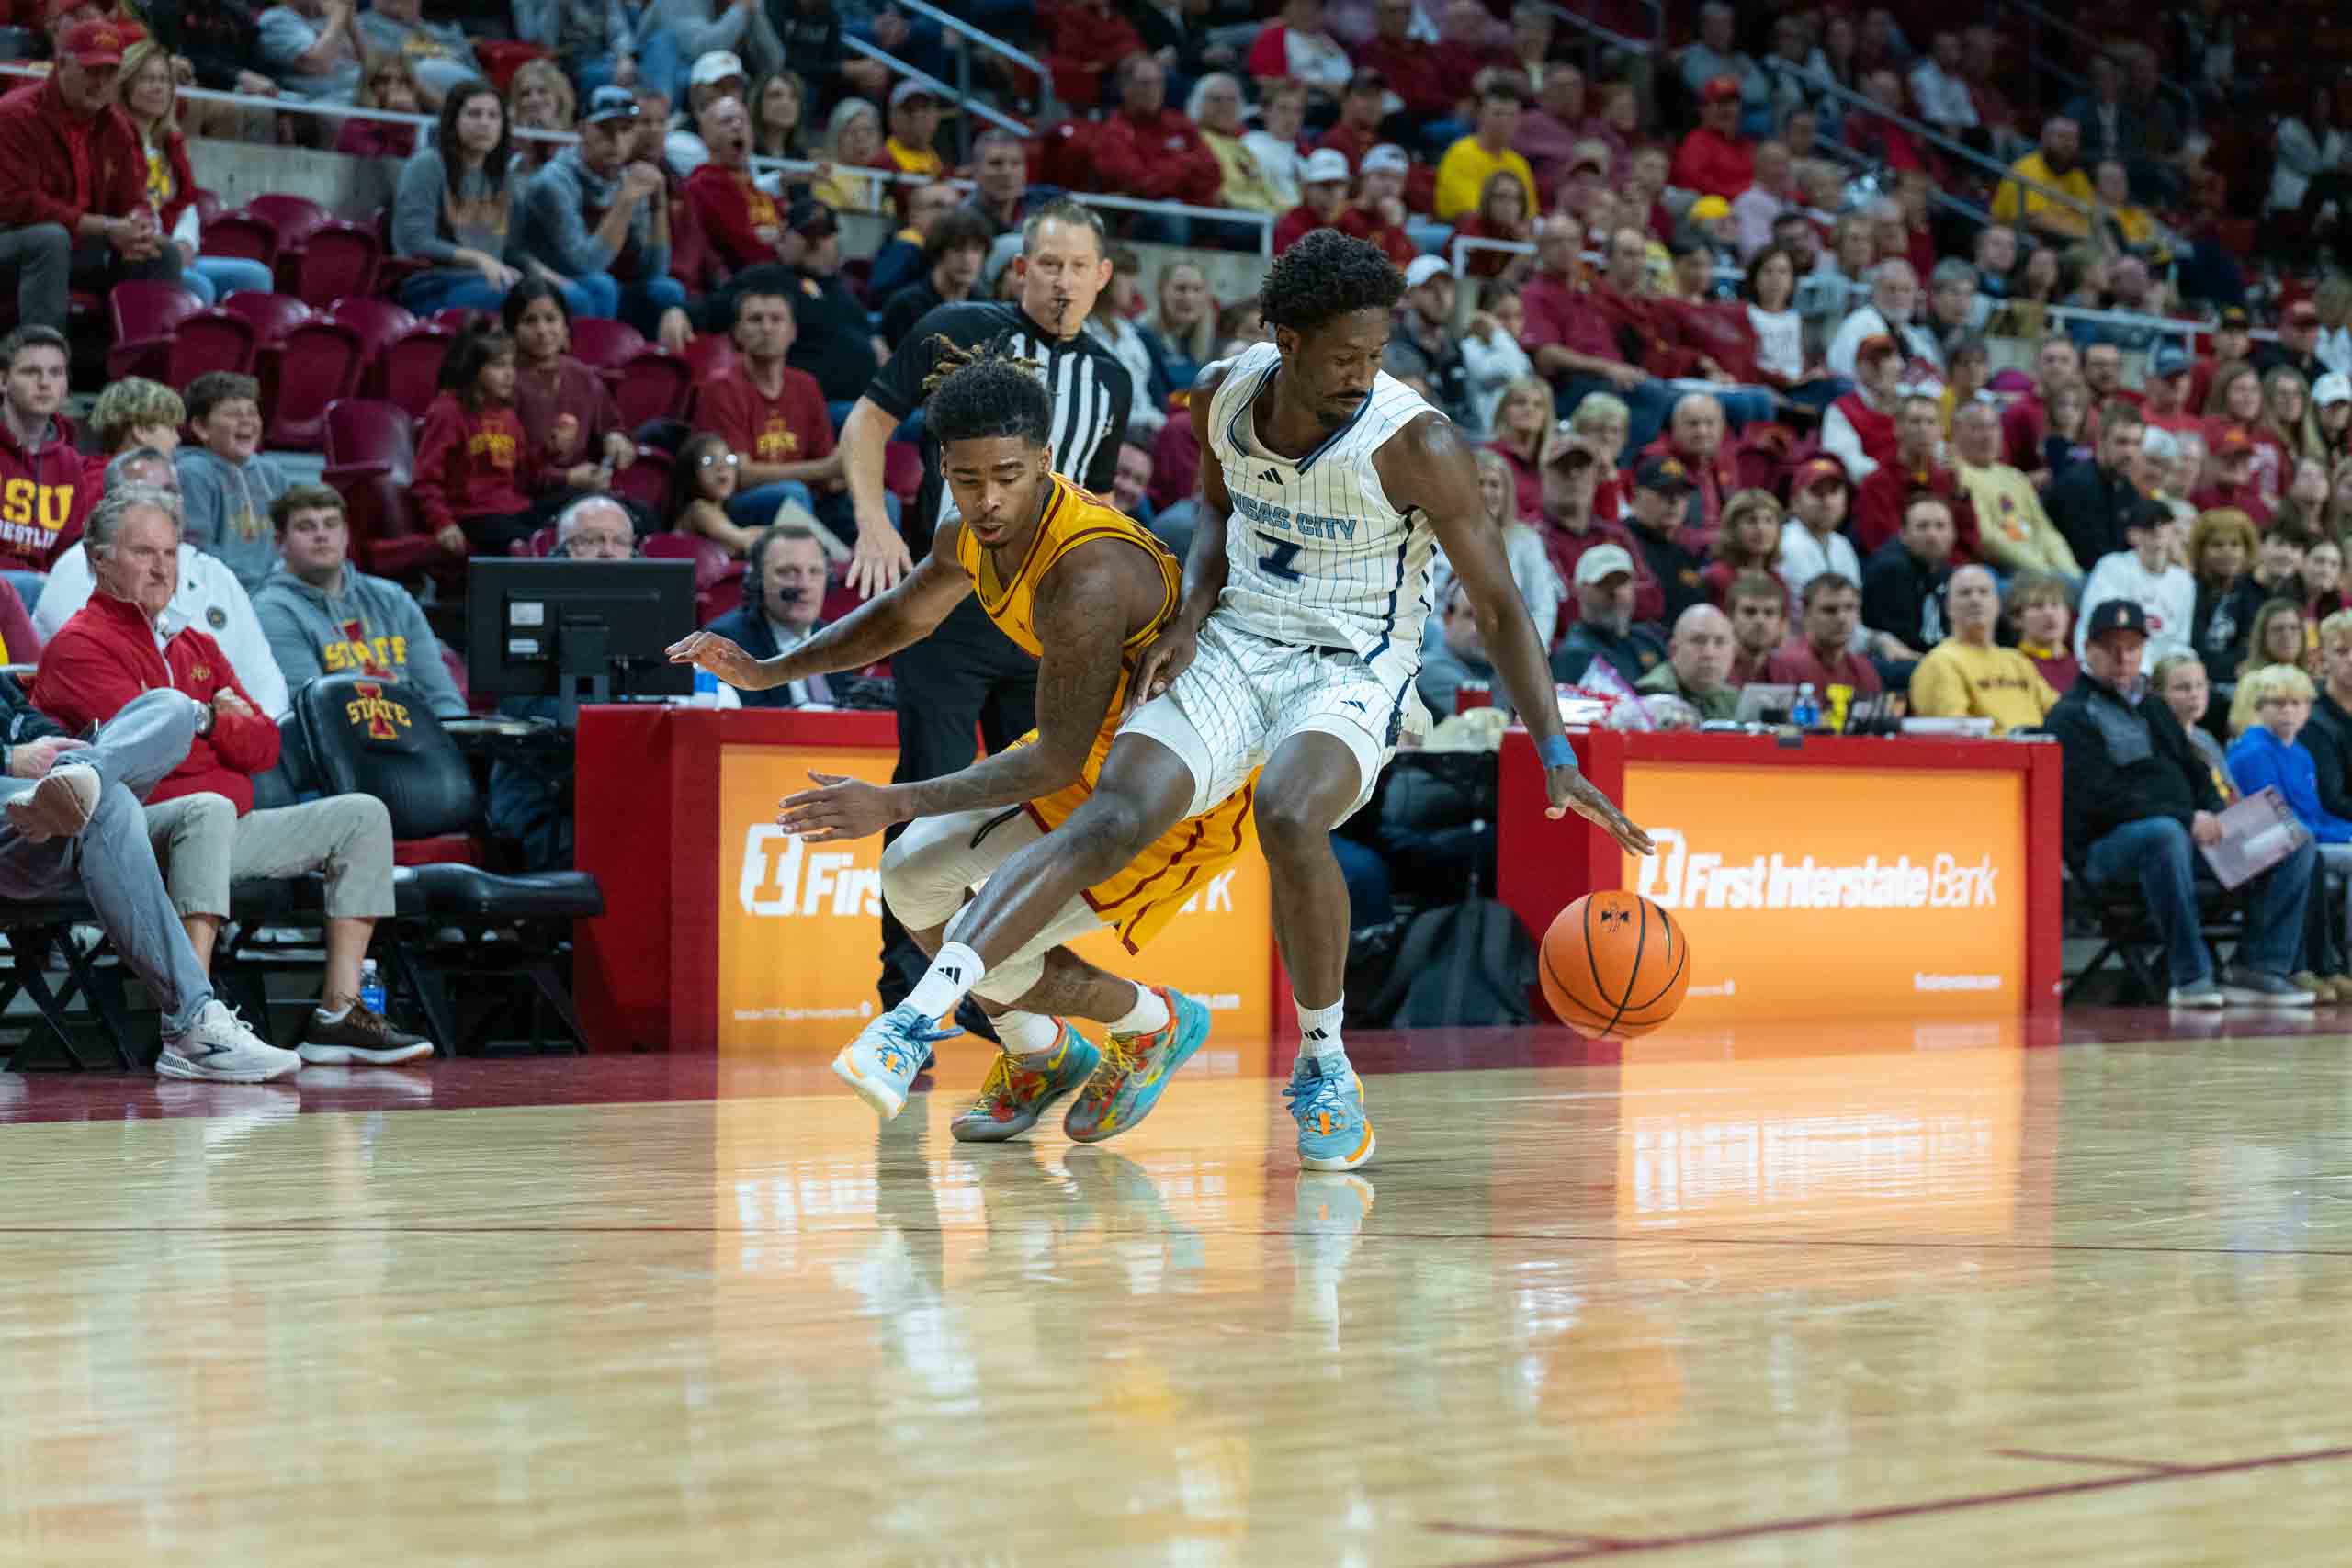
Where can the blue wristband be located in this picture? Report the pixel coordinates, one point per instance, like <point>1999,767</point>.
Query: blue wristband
<point>1555,751</point>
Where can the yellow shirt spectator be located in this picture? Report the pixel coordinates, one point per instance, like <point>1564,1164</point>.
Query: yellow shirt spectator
<point>1958,680</point>
<point>1461,174</point>
<point>910,161</point>
<point>2015,203</point>
<point>2016,533</point>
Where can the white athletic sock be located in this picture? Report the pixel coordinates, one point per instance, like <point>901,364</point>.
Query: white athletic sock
<point>1027,1034</point>
<point>1148,1016</point>
<point>950,979</point>
<point>1319,1036</point>
<point>338,1016</point>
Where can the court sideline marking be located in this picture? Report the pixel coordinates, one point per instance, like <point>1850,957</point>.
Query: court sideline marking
<point>1574,1547</point>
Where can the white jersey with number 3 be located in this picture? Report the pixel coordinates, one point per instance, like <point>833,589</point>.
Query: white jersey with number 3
<point>1316,554</point>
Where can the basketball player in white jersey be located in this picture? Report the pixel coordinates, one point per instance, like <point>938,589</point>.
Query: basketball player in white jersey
<point>1326,486</point>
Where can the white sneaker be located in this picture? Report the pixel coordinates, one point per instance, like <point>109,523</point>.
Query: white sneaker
<point>220,1049</point>
<point>59,807</point>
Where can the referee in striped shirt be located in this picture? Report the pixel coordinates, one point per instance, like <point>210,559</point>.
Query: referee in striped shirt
<point>968,674</point>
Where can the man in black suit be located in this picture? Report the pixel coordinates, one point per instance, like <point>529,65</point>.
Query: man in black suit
<point>784,587</point>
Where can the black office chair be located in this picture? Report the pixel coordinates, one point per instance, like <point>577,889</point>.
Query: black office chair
<point>367,735</point>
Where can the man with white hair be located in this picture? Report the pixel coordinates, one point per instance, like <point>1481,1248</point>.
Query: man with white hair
<point>200,814</point>
<point>1895,295</point>
<point>208,594</point>
<point>72,815</point>
<point>1698,666</point>
<point>595,527</point>
<point>1968,675</point>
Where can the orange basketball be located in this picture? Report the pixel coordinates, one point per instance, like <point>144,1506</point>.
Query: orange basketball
<point>1614,966</point>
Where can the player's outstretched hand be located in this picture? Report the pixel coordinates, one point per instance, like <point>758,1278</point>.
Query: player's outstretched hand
<point>879,561</point>
<point>1161,662</point>
<point>1571,791</point>
<point>839,808</point>
<point>720,657</point>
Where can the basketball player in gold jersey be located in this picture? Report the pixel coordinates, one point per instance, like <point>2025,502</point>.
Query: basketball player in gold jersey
<point>1083,588</point>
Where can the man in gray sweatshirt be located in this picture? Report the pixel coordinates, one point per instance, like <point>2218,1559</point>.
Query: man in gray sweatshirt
<point>322,616</point>
<point>226,486</point>
<point>602,222</point>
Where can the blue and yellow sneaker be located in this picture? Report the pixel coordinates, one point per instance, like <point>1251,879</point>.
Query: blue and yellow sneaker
<point>1334,1132</point>
<point>1019,1090</point>
<point>1135,1072</point>
<point>886,1054</point>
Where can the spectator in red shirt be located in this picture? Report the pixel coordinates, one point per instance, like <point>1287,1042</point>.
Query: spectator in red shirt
<point>1859,430</point>
<point>2025,421</point>
<point>1694,437</point>
<point>1085,41</point>
<point>568,413</point>
<point>741,222</point>
<point>2233,482</point>
<point>1880,499</point>
<point>1377,214</point>
<point>42,496</point>
<point>1715,159</point>
<point>2233,340</point>
<point>115,650</point>
<point>1414,69</point>
<point>75,208</point>
<point>1323,198</point>
<point>1572,340</point>
<point>475,467</point>
<point>1758,604</point>
<point>1823,655</point>
<point>1297,46</point>
<point>2165,399</point>
<point>1361,108</point>
<point>1571,474</point>
<point>1549,133</point>
<point>1151,150</point>
<point>773,417</point>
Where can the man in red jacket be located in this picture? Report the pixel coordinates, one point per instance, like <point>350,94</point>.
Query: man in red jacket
<point>2055,364</point>
<point>1881,500</point>
<point>42,494</point>
<point>1323,192</point>
<point>73,207</point>
<point>1714,160</point>
<point>1151,150</point>
<point>200,815</point>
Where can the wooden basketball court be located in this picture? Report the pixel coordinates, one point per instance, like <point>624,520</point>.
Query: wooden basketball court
<point>1863,1294</point>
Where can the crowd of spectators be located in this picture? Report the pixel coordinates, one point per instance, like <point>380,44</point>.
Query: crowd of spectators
<point>1762,396</point>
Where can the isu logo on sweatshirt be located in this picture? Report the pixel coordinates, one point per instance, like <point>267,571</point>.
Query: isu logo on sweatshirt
<point>367,656</point>
<point>495,448</point>
<point>370,710</point>
<point>777,444</point>
<point>30,514</point>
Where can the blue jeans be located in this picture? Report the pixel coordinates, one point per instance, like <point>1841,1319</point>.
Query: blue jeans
<point>643,303</point>
<point>756,508</point>
<point>27,585</point>
<point>450,288</point>
<point>210,277</point>
<point>2158,853</point>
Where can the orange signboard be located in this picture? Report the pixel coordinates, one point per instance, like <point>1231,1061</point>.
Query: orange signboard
<point>799,923</point>
<point>1839,891</point>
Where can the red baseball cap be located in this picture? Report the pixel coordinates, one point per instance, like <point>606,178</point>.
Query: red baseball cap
<point>93,44</point>
<point>2302,312</point>
<point>1875,344</point>
<point>2234,443</point>
<point>1719,89</point>
<point>1814,471</point>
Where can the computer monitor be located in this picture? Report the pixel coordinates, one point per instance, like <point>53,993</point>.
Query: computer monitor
<point>577,630</point>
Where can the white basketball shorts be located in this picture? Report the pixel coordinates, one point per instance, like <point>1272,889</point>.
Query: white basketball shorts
<point>1243,695</point>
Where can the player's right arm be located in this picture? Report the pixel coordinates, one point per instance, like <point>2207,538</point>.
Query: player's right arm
<point>1205,564</point>
<point>872,632</point>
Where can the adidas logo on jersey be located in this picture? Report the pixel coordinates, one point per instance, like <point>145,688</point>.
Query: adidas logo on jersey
<point>1270,477</point>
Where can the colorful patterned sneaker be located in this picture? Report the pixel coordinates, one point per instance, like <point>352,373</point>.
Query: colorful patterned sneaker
<point>1334,1132</point>
<point>1135,1072</point>
<point>1019,1090</point>
<point>886,1054</point>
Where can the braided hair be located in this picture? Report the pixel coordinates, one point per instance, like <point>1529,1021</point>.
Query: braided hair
<point>974,394</point>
